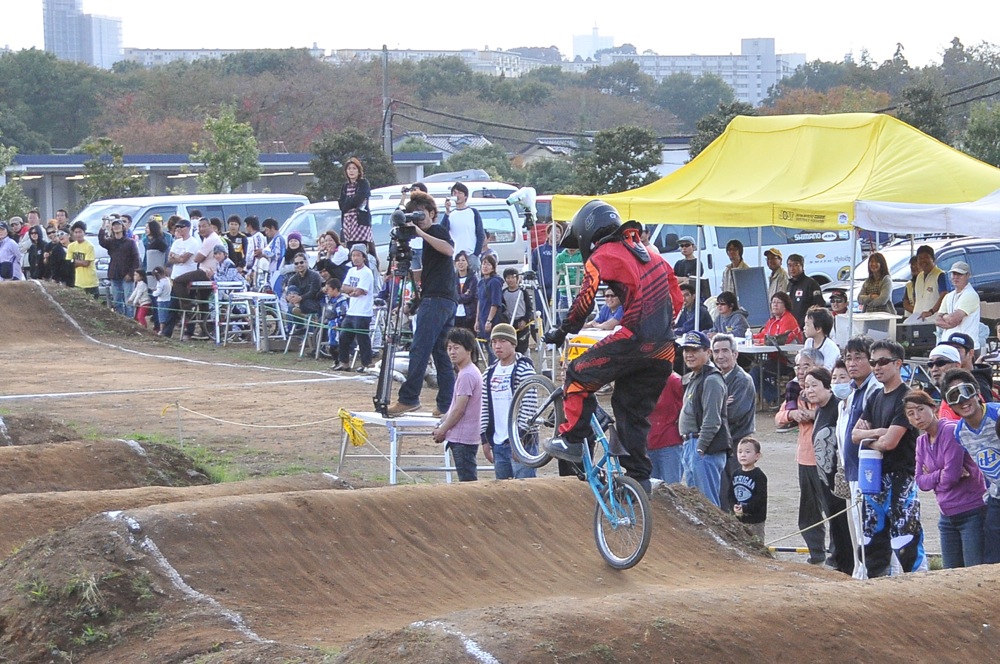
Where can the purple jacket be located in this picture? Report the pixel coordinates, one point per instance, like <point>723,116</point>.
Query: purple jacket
<point>939,469</point>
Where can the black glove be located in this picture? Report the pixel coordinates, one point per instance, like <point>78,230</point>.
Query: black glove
<point>555,336</point>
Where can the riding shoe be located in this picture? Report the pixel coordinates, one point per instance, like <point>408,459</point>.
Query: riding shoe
<point>562,449</point>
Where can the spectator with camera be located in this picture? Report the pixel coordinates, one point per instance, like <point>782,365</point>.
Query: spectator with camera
<point>437,308</point>
<point>465,225</point>
<point>125,261</point>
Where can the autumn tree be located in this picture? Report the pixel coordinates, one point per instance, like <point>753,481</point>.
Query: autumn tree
<point>840,99</point>
<point>923,108</point>
<point>982,137</point>
<point>231,158</point>
<point>107,176</point>
<point>12,199</point>
<point>333,150</point>
<point>621,159</point>
<point>690,98</point>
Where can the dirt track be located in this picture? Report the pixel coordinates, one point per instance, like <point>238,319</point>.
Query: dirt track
<point>286,569</point>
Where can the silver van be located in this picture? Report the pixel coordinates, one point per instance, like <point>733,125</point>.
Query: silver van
<point>143,208</point>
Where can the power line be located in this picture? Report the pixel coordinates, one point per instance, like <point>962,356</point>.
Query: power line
<point>543,132</point>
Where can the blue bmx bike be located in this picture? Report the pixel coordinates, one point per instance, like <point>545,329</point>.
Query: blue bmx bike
<point>623,518</point>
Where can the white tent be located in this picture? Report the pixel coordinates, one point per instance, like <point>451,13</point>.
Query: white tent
<point>980,218</point>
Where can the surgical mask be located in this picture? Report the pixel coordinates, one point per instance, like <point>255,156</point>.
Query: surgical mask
<point>841,390</point>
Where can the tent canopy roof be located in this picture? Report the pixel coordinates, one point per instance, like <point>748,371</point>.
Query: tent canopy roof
<point>804,171</point>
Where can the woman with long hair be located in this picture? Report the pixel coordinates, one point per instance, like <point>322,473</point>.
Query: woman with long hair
<point>876,291</point>
<point>157,244</point>
<point>467,287</point>
<point>356,218</point>
<point>36,251</point>
<point>946,468</point>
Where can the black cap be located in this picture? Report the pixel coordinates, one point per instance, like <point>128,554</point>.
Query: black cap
<point>182,223</point>
<point>961,340</point>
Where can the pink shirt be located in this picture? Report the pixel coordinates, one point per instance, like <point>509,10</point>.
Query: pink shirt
<point>468,382</point>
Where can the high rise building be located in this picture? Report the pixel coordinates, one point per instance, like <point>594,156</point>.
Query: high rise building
<point>750,74</point>
<point>72,35</point>
<point>585,46</point>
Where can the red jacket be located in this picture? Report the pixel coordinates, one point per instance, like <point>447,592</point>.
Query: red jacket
<point>776,326</point>
<point>648,293</point>
<point>663,431</point>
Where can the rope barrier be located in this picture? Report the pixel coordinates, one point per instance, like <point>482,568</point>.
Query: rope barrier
<point>246,424</point>
<point>818,523</point>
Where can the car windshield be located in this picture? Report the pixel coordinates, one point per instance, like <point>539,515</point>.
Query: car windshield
<point>311,223</point>
<point>93,215</point>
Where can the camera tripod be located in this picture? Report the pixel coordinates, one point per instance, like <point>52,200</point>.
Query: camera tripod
<point>401,257</point>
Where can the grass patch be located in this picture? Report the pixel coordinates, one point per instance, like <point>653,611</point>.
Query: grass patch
<point>935,562</point>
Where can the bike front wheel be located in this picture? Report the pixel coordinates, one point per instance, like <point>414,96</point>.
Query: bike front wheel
<point>624,531</point>
<point>535,415</point>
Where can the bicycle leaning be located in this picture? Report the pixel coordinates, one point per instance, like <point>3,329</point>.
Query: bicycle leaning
<point>623,516</point>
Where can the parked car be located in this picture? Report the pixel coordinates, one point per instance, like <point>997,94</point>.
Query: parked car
<point>143,208</point>
<point>501,219</point>
<point>982,255</point>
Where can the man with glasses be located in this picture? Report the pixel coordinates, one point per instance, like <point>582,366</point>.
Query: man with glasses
<point>610,314</point>
<point>857,354</point>
<point>960,309</point>
<point>892,517</point>
<point>304,288</point>
<point>688,267</point>
<point>978,433</point>
<point>777,281</point>
<point>943,358</point>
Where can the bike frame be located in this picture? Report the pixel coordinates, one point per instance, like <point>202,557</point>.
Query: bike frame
<point>598,475</point>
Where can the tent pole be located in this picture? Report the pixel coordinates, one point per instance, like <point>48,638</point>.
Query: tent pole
<point>697,281</point>
<point>854,262</point>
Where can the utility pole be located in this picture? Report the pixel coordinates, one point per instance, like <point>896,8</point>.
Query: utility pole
<point>386,118</point>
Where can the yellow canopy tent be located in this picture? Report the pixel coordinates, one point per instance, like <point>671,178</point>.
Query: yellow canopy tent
<point>803,171</point>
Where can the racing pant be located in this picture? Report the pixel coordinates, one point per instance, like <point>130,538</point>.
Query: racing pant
<point>643,369</point>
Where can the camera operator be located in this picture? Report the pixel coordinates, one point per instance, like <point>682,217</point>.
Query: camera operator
<point>416,244</point>
<point>437,309</point>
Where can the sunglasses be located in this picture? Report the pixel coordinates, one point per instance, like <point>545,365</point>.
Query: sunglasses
<point>881,362</point>
<point>939,363</point>
<point>299,263</point>
<point>685,244</point>
<point>838,299</point>
<point>959,393</point>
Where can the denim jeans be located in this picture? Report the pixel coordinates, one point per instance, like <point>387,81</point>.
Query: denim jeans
<point>506,467</point>
<point>118,295</point>
<point>991,532</point>
<point>355,328</point>
<point>434,320</point>
<point>667,463</point>
<point>704,471</point>
<point>962,538</point>
<point>129,289</point>
<point>465,460</point>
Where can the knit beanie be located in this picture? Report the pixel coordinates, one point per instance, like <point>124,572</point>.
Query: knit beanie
<point>504,331</point>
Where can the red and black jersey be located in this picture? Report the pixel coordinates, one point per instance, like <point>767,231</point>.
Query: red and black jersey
<point>648,291</point>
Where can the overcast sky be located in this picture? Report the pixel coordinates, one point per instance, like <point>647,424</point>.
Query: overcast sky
<point>824,31</point>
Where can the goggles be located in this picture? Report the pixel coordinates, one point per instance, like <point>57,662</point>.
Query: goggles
<point>961,392</point>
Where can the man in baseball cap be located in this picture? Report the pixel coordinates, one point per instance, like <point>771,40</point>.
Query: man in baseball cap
<point>777,281</point>
<point>499,382</point>
<point>702,421</point>
<point>960,309</point>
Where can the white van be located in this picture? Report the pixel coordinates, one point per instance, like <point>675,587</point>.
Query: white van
<point>827,254</point>
<point>441,190</point>
<point>501,219</point>
<point>143,208</point>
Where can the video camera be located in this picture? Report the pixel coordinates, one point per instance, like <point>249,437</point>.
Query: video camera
<point>401,234</point>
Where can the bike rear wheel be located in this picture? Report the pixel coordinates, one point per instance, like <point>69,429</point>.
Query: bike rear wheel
<point>623,539</point>
<point>532,420</point>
